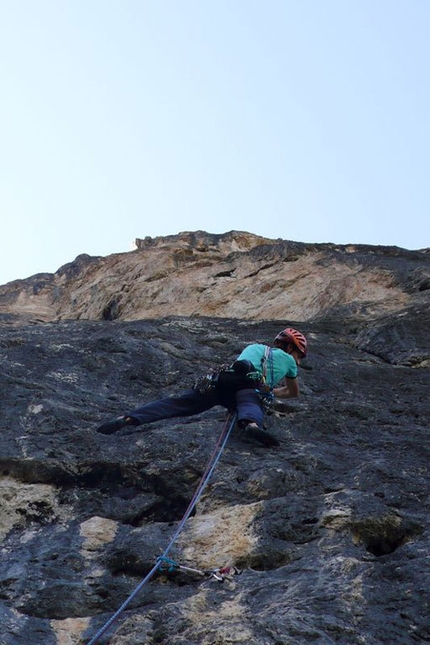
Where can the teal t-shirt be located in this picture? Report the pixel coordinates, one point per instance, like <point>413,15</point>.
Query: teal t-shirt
<point>279,364</point>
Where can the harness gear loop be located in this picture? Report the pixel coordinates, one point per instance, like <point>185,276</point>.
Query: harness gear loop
<point>208,381</point>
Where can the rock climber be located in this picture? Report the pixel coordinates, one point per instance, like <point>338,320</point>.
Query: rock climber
<point>256,373</point>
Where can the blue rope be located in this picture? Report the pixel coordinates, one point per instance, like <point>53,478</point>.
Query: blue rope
<point>215,457</point>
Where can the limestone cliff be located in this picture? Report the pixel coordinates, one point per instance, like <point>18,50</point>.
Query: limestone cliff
<point>330,531</point>
<point>234,275</point>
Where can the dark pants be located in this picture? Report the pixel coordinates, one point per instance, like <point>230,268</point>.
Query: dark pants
<point>245,401</point>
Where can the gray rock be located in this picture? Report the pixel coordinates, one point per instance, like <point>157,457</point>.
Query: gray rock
<point>329,531</point>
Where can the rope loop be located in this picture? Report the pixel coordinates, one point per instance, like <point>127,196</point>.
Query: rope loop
<point>171,564</point>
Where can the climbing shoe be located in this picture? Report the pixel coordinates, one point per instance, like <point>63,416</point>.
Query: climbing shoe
<point>254,432</point>
<point>113,426</point>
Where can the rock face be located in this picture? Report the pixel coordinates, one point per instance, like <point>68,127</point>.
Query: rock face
<point>330,531</point>
<point>235,275</point>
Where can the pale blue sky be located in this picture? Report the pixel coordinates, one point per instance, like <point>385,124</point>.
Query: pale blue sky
<point>304,120</point>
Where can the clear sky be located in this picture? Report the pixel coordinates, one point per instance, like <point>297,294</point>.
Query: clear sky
<point>304,120</point>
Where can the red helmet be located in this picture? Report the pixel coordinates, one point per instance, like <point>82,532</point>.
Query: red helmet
<point>295,337</point>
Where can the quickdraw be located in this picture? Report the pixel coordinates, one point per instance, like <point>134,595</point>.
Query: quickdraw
<point>267,400</point>
<point>221,574</point>
<point>209,381</point>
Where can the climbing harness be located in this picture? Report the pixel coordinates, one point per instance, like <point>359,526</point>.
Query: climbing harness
<point>220,574</point>
<point>216,454</point>
<point>239,372</point>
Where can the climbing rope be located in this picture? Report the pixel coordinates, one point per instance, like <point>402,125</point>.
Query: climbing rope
<point>219,447</point>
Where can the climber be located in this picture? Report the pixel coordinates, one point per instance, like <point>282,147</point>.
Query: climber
<point>254,374</point>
